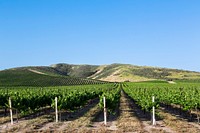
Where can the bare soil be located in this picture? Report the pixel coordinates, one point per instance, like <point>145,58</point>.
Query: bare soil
<point>38,72</point>
<point>128,120</point>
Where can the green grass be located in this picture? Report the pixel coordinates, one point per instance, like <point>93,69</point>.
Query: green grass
<point>154,81</point>
<point>188,81</point>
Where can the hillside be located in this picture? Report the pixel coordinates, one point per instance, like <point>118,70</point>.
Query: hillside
<point>126,72</point>
<point>80,71</point>
<point>66,74</point>
<point>39,76</point>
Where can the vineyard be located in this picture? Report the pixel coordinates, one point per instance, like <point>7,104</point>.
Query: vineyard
<point>39,78</point>
<point>128,108</point>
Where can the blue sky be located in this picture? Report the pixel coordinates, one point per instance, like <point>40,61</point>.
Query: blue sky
<point>162,33</point>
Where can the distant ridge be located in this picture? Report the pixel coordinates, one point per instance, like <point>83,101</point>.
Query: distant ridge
<point>59,74</point>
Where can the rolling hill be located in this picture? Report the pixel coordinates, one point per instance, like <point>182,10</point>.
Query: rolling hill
<point>68,74</point>
<point>40,76</point>
<point>133,73</point>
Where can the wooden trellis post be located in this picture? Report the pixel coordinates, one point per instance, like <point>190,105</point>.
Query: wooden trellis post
<point>11,115</point>
<point>153,112</point>
<point>105,111</point>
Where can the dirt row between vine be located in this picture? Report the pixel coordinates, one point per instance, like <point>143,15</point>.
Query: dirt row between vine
<point>89,119</point>
<point>134,120</point>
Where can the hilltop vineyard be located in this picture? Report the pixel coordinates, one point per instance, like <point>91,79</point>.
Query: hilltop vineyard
<point>33,78</point>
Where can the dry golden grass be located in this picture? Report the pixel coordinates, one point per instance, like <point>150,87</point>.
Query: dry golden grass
<point>178,124</point>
